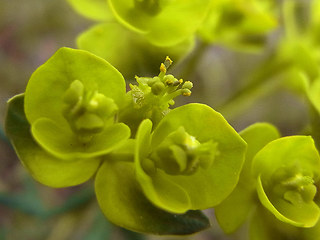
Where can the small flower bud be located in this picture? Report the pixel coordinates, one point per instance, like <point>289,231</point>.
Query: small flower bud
<point>163,68</point>
<point>157,88</point>
<point>187,85</point>
<point>186,92</point>
<point>169,79</point>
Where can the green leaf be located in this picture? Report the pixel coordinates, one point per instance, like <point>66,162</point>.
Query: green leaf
<point>163,23</point>
<point>97,10</point>
<point>62,143</point>
<point>124,204</point>
<point>44,167</point>
<point>206,187</point>
<point>286,170</point>
<point>234,210</point>
<point>48,84</point>
<point>103,40</point>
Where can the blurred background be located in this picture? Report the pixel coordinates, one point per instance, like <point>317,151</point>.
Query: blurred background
<point>30,32</point>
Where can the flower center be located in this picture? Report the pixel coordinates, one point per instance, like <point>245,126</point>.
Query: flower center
<point>293,185</point>
<point>182,154</point>
<point>156,94</point>
<point>87,112</point>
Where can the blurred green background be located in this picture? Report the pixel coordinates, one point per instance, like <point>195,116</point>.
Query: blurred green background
<point>30,32</point>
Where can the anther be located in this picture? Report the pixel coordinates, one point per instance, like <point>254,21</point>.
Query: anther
<point>186,92</point>
<point>167,62</point>
<point>163,68</point>
<point>176,83</point>
<point>187,85</point>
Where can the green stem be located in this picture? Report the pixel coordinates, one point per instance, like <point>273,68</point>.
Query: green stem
<point>262,83</point>
<point>233,108</point>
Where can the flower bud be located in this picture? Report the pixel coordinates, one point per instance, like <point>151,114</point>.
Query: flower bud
<point>186,92</point>
<point>157,88</point>
<point>187,85</point>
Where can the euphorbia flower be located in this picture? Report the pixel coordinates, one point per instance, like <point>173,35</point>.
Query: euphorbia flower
<point>277,187</point>
<point>191,161</point>
<point>287,171</point>
<point>69,106</point>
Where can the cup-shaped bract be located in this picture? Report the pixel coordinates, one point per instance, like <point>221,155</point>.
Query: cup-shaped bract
<point>191,161</point>
<point>163,22</point>
<point>71,102</point>
<point>68,113</point>
<point>288,172</point>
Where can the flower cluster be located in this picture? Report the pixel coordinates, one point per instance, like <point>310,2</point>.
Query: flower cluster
<point>152,165</point>
<point>156,28</point>
<point>155,168</point>
<point>277,190</point>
